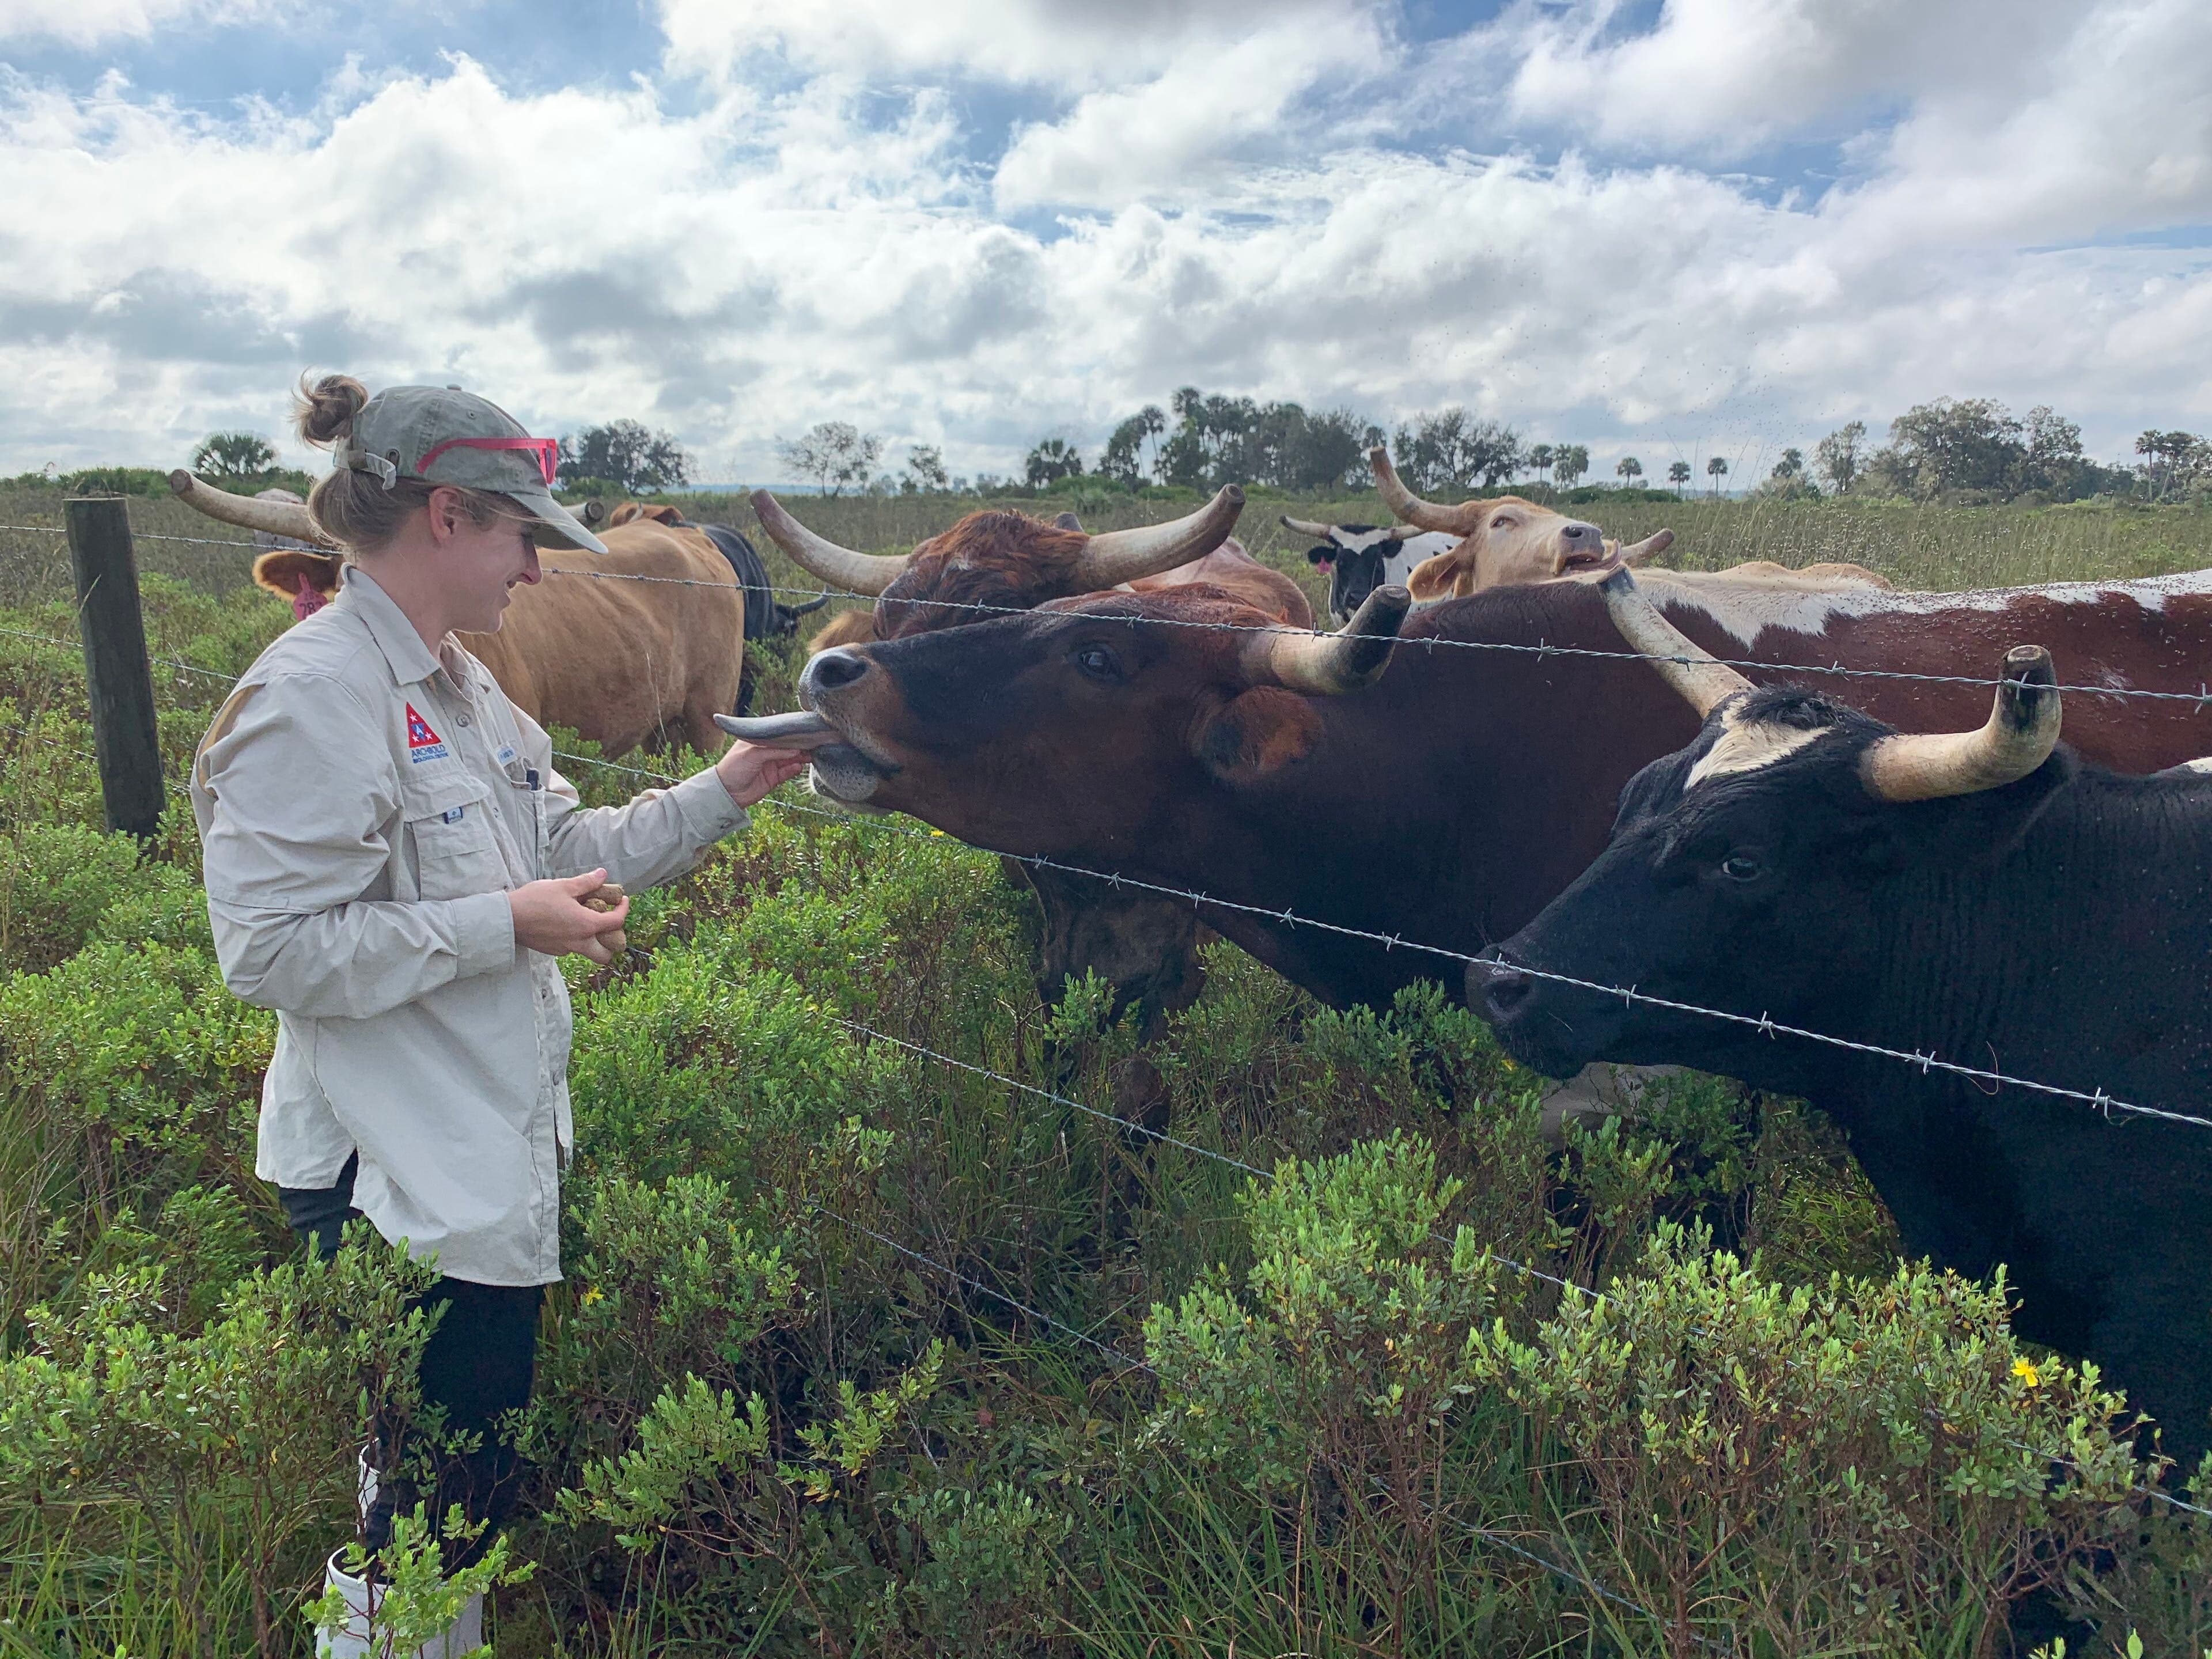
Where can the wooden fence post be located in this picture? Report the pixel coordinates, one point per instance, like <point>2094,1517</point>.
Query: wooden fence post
<point>119,680</point>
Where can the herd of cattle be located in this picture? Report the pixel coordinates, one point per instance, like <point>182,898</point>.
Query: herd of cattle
<point>1543,767</point>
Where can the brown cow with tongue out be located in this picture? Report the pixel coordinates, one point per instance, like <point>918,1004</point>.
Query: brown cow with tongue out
<point>994,563</point>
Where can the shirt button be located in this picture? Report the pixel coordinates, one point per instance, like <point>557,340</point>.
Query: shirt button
<point>467,721</point>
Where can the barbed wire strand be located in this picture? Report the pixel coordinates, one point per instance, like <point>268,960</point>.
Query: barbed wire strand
<point>137,534</point>
<point>78,646</point>
<point>2200,699</point>
<point>174,786</point>
<point>1134,1128</point>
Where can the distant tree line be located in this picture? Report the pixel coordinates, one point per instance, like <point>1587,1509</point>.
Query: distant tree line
<point>1962,450</point>
<point>1974,450</point>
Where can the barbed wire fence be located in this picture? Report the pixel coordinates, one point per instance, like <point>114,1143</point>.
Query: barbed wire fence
<point>2096,1099</point>
<point>2200,701</point>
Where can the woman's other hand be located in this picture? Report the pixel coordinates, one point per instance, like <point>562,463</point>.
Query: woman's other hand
<point>551,916</point>
<point>750,771</point>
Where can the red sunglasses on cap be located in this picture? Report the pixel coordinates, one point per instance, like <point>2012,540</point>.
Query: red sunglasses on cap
<point>547,450</point>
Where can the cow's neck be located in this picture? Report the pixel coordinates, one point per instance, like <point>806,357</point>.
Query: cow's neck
<point>1424,813</point>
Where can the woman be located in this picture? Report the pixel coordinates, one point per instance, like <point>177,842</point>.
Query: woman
<point>393,865</point>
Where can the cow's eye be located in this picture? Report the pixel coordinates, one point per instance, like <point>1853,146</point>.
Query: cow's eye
<point>1098,663</point>
<point>1742,866</point>
<point>1502,521</point>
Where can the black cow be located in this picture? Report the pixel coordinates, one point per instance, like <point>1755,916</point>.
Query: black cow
<point>766,618</point>
<point>1987,898</point>
<point>1362,557</point>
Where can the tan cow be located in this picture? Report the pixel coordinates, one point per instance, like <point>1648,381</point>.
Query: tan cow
<point>628,664</point>
<point>1507,541</point>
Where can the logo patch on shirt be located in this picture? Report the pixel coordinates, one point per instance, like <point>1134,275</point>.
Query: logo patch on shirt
<point>423,743</point>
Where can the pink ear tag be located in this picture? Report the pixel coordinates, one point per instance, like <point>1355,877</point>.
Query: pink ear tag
<point>306,601</point>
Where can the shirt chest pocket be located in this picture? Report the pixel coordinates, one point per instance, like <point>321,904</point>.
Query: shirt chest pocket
<point>449,832</point>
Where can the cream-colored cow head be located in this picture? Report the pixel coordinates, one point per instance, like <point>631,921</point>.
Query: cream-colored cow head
<point>1504,541</point>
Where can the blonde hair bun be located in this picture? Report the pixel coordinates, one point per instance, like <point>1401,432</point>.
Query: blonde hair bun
<point>326,409</point>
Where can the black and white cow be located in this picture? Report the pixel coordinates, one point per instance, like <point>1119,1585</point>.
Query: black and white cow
<point>1360,558</point>
<point>1988,898</point>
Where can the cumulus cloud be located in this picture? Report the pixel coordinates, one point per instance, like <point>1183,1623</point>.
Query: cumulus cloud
<point>1060,43</point>
<point>760,242</point>
<point>1180,134</point>
<point>1724,76</point>
<point>86,22</point>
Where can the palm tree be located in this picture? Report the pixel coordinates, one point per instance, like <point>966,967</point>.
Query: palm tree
<point>1629,469</point>
<point>1540,459</point>
<point>1716,469</point>
<point>1678,474</point>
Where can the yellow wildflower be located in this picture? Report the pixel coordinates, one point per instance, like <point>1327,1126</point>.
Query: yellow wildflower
<point>593,1294</point>
<point>2026,1373</point>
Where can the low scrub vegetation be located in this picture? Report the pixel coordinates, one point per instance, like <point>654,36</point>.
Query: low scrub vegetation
<point>860,1352</point>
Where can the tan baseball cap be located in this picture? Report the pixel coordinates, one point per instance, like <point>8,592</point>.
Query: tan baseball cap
<point>444,435</point>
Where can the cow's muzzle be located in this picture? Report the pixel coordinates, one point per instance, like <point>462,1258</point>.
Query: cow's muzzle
<point>1545,1030</point>
<point>831,687</point>
<point>1582,548</point>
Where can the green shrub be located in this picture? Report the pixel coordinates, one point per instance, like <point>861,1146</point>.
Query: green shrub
<point>56,882</point>
<point>127,1073</point>
<point>167,1490</point>
<point>1867,1466</point>
<point>669,1282</point>
<point>704,1065</point>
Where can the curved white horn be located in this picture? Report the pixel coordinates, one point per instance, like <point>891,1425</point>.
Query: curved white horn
<point>1123,555</point>
<point>1307,526</point>
<point>1704,684</point>
<point>277,518</point>
<point>1410,507</point>
<point>841,567</point>
<point>2021,732</point>
<point>1329,664</point>
<point>1649,548</point>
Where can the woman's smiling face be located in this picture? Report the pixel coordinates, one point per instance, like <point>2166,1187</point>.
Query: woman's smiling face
<point>480,565</point>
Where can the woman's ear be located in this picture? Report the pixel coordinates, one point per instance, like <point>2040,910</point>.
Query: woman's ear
<point>1256,734</point>
<point>449,514</point>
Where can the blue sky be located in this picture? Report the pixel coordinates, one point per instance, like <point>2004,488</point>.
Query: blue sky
<point>1671,229</point>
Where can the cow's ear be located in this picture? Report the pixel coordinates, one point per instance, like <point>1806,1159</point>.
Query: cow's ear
<point>1257,732</point>
<point>280,571</point>
<point>1434,578</point>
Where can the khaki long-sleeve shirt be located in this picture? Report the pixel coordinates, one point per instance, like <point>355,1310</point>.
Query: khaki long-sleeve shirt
<point>364,808</point>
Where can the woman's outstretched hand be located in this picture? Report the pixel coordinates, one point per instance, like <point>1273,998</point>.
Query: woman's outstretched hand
<point>552,917</point>
<point>750,771</point>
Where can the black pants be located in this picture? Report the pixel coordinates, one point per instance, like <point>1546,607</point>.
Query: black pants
<point>477,1365</point>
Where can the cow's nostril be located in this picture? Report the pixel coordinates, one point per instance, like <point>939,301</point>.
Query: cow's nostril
<point>832,671</point>
<point>1504,988</point>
